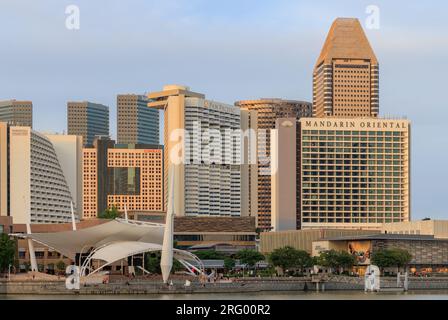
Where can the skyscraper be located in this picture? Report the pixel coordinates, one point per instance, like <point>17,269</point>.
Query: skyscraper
<point>209,177</point>
<point>355,173</point>
<point>345,77</point>
<point>136,123</point>
<point>88,120</point>
<point>268,111</point>
<point>17,113</point>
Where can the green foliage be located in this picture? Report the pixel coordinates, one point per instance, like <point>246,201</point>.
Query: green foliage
<point>7,251</point>
<point>249,257</point>
<point>229,263</point>
<point>60,266</point>
<point>152,263</point>
<point>289,258</point>
<point>210,255</point>
<point>394,257</point>
<point>109,213</point>
<point>336,259</point>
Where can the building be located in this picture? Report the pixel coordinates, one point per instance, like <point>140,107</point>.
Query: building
<point>122,176</point>
<point>436,228</point>
<point>345,77</point>
<point>136,123</point>
<point>4,169</point>
<point>202,138</point>
<point>302,239</point>
<point>249,164</point>
<point>18,113</point>
<point>284,178</point>
<point>38,190</point>
<point>68,150</point>
<point>355,173</point>
<point>428,253</point>
<point>268,111</point>
<point>88,120</point>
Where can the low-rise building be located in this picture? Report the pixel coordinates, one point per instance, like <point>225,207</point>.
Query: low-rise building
<point>302,239</point>
<point>429,254</point>
<point>436,228</point>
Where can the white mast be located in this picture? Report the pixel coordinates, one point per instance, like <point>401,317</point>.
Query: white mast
<point>73,216</point>
<point>166,262</point>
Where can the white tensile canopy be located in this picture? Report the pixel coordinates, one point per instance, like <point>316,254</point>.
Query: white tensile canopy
<point>111,242</point>
<point>69,243</point>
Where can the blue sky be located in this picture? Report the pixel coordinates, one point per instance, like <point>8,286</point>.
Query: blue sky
<point>229,50</point>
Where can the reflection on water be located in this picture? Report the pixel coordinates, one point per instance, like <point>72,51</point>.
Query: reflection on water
<point>299,295</point>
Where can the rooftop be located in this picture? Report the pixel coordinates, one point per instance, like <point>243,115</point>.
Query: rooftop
<point>383,236</point>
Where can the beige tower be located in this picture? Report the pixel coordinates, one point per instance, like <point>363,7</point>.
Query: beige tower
<point>345,77</point>
<point>283,178</point>
<point>3,169</point>
<point>268,111</point>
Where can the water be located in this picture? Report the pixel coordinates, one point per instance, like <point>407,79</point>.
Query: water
<point>293,295</point>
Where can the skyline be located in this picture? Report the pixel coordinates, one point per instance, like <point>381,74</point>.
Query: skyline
<point>229,59</point>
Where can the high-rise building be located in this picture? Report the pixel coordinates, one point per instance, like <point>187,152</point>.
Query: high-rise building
<point>4,169</point>
<point>207,161</point>
<point>136,123</point>
<point>18,113</point>
<point>284,177</point>
<point>38,190</point>
<point>268,111</point>
<point>346,74</point>
<point>118,175</point>
<point>68,149</point>
<point>88,120</point>
<point>249,164</point>
<point>355,173</point>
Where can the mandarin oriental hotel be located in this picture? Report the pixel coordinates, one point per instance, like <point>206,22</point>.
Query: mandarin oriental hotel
<point>355,173</point>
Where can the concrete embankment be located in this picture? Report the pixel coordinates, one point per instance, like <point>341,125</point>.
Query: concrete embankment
<point>151,287</point>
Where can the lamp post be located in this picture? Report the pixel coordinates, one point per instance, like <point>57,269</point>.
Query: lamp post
<point>9,272</point>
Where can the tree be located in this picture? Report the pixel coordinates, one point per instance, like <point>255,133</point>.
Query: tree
<point>393,257</point>
<point>60,266</point>
<point>7,251</point>
<point>209,255</point>
<point>329,259</point>
<point>249,257</point>
<point>152,263</point>
<point>345,260</point>
<point>336,259</point>
<point>109,213</point>
<point>229,263</point>
<point>288,258</point>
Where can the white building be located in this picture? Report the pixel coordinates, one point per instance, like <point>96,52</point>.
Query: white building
<point>38,190</point>
<point>68,150</point>
<point>207,159</point>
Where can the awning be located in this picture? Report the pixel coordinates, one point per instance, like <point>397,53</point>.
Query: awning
<point>69,243</point>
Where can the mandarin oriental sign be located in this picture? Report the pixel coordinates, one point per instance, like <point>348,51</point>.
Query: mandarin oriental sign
<point>351,124</point>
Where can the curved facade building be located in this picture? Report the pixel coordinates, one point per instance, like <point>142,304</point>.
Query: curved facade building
<point>268,111</point>
<point>38,190</point>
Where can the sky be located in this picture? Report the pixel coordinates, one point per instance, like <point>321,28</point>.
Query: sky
<point>229,50</point>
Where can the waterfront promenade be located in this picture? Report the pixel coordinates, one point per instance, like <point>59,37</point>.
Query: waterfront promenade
<point>144,286</point>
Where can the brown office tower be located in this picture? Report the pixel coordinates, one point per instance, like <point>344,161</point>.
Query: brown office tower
<point>268,111</point>
<point>88,120</point>
<point>345,78</point>
<point>18,113</point>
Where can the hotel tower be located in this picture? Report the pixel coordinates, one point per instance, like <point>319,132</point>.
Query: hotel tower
<point>345,77</point>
